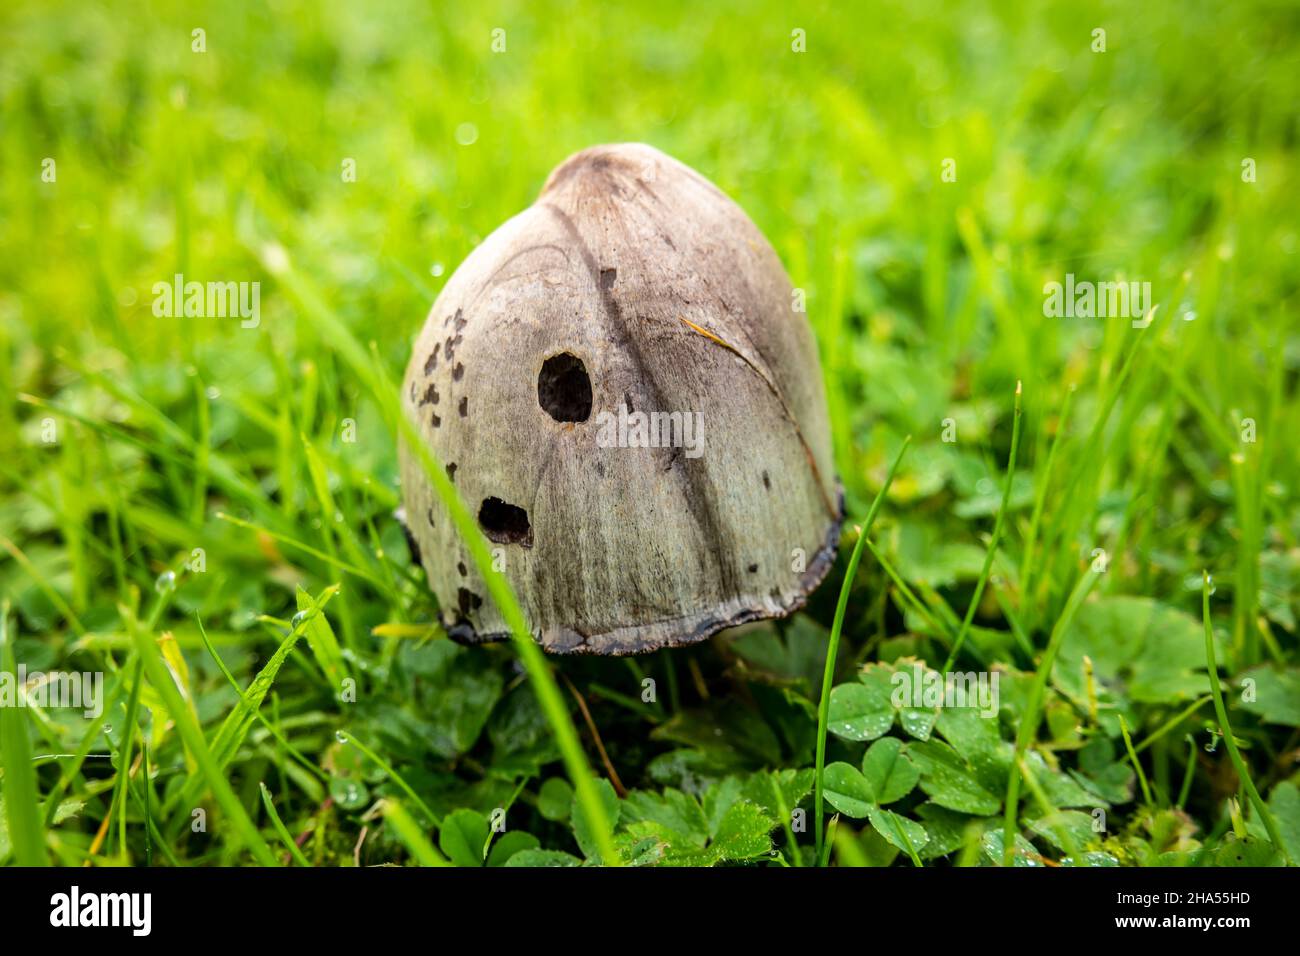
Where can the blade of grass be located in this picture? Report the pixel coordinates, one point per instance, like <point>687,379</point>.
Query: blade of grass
<point>122,781</point>
<point>1243,772</point>
<point>22,802</point>
<point>412,836</point>
<point>230,735</point>
<point>46,588</point>
<point>833,646</point>
<point>192,736</point>
<point>1173,722</point>
<point>784,811</point>
<point>847,851</point>
<point>1040,498</point>
<point>285,837</point>
<point>1188,773</point>
<point>271,728</point>
<point>906,597</point>
<point>71,771</point>
<point>396,777</point>
<point>994,539</point>
<point>1049,809</point>
<point>1033,709</point>
<point>306,548</point>
<point>385,393</point>
<point>155,836</point>
<point>148,814</point>
<point>1133,758</point>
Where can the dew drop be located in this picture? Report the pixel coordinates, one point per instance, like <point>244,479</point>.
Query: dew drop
<point>437,269</point>
<point>340,736</point>
<point>298,618</point>
<point>166,582</point>
<point>467,134</point>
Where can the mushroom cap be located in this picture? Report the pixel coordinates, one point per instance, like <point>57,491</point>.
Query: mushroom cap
<point>546,380</point>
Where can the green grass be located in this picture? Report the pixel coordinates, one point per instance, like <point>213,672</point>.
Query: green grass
<point>183,508</point>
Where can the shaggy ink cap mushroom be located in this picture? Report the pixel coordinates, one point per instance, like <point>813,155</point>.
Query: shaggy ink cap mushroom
<point>623,392</point>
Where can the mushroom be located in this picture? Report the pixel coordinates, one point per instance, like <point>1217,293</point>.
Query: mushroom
<point>622,390</point>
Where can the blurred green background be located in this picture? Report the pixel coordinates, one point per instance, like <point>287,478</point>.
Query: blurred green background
<point>926,296</point>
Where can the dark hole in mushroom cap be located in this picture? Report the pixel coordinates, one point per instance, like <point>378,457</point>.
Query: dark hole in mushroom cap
<point>505,523</point>
<point>564,388</point>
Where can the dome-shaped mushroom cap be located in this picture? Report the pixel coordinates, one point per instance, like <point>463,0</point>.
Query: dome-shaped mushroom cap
<point>624,394</point>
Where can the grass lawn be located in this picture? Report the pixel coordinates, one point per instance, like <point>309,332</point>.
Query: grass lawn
<point>1095,519</point>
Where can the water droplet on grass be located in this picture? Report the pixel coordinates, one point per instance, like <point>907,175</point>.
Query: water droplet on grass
<point>467,134</point>
<point>166,582</point>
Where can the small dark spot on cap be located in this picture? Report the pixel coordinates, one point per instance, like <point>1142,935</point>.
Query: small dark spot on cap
<point>428,514</point>
<point>767,482</point>
<point>451,470</point>
<point>431,395</point>
<point>608,277</point>
<point>458,372</point>
<point>435,420</point>
<point>753,568</point>
<point>468,601</point>
<point>432,361</point>
<point>461,322</point>
<point>463,408</point>
<point>627,400</point>
<point>460,566</point>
